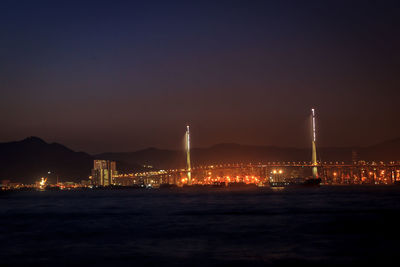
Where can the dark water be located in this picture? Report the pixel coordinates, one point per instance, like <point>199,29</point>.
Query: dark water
<point>327,225</point>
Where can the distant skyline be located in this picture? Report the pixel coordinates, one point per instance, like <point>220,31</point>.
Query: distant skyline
<point>102,76</point>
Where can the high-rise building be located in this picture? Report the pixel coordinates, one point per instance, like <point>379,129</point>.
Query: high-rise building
<point>103,172</point>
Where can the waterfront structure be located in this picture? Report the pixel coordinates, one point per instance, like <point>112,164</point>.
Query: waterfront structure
<point>41,185</point>
<point>103,172</point>
<point>188,164</point>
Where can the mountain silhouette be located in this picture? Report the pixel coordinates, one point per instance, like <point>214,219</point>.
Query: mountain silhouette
<point>27,160</point>
<point>236,153</point>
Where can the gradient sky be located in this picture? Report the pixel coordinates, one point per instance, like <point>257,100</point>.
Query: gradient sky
<point>122,75</point>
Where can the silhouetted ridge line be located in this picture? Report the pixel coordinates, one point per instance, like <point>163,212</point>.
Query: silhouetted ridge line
<point>29,159</point>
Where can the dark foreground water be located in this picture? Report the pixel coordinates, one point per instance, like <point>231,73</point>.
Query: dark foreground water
<point>327,225</point>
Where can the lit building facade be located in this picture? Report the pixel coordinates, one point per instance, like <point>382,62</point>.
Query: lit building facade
<point>103,172</point>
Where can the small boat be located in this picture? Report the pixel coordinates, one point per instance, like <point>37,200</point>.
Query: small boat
<point>241,186</point>
<point>296,182</point>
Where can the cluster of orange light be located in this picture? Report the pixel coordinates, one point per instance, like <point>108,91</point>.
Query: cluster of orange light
<point>277,171</point>
<point>225,179</point>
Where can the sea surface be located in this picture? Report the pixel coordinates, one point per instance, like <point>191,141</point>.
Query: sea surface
<point>217,227</point>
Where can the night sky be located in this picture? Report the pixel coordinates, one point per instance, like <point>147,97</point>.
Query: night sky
<point>119,76</point>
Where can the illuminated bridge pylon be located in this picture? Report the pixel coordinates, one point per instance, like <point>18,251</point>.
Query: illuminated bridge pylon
<point>188,164</point>
<point>314,147</point>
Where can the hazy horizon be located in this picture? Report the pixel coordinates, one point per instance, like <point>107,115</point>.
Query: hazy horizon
<point>101,76</point>
<point>193,147</point>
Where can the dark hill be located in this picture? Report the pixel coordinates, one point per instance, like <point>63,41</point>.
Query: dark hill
<point>217,154</point>
<point>385,151</point>
<point>159,158</point>
<point>235,153</point>
<point>27,160</point>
